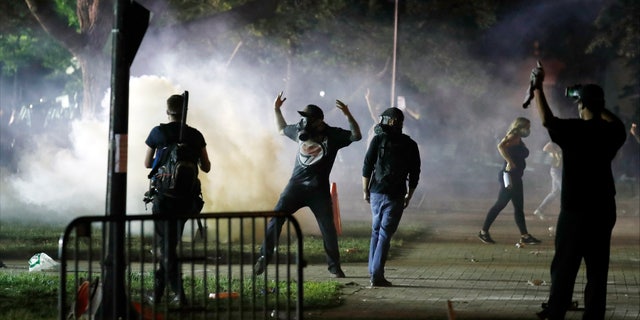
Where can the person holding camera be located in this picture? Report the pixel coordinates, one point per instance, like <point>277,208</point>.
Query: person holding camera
<point>390,175</point>
<point>318,145</point>
<point>169,232</point>
<point>588,206</point>
<point>514,152</point>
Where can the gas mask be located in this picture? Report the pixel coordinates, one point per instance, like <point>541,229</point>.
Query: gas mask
<point>306,129</point>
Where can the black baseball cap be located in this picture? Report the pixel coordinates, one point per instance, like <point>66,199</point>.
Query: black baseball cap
<point>312,111</point>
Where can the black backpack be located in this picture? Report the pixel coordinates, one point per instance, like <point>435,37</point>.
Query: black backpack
<point>175,171</point>
<point>390,161</point>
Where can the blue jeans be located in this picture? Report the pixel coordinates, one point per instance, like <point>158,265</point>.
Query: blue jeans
<point>386,213</point>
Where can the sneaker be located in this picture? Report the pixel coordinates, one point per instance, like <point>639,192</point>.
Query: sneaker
<point>529,239</point>
<point>338,274</point>
<point>381,283</point>
<point>485,237</point>
<point>538,214</point>
<point>260,265</point>
<point>179,301</point>
<point>153,299</point>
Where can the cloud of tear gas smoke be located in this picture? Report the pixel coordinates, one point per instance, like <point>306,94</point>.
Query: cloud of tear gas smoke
<point>251,163</point>
<point>245,175</point>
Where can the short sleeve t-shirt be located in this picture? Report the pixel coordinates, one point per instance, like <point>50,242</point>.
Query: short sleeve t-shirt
<point>166,134</point>
<point>314,160</point>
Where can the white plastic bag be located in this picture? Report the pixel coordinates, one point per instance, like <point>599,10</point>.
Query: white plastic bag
<point>41,262</point>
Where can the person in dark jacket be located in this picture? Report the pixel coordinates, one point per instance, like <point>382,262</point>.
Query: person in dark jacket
<point>390,176</point>
<point>587,200</point>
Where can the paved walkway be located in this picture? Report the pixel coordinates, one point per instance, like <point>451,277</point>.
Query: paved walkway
<point>452,275</point>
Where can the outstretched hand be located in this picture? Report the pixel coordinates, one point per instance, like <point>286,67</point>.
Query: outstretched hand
<point>343,107</point>
<point>279,100</point>
<point>537,76</point>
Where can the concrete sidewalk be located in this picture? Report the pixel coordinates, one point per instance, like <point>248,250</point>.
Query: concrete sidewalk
<point>452,275</point>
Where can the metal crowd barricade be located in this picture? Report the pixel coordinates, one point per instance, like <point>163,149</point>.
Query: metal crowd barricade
<point>216,255</point>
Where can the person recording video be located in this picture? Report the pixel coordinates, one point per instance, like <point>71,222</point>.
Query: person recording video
<point>588,206</point>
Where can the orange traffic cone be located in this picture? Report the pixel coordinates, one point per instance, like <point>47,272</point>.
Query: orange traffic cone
<point>336,208</point>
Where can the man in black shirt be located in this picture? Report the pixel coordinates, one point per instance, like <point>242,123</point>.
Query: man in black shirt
<point>169,232</point>
<point>318,145</point>
<point>588,206</point>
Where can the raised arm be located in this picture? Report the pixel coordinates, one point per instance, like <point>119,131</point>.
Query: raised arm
<point>280,123</point>
<point>537,79</point>
<point>356,135</point>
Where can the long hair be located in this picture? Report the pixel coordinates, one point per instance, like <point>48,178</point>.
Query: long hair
<point>517,124</point>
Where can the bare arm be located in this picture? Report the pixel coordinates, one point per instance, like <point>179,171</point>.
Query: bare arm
<point>408,196</point>
<point>148,157</point>
<point>634,132</point>
<point>280,122</point>
<point>356,135</point>
<point>537,79</point>
<point>365,188</point>
<point>205,163</point>
<point>505,143</point>
<point>370,107</point>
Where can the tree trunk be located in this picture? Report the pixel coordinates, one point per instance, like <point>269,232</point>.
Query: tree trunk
<point>95,80</point>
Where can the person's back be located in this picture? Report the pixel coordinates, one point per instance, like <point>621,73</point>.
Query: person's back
<point>588,148</point>
<point>169,232</point>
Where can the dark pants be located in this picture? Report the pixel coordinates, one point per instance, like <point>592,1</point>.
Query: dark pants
<point>168,235</point>
<point>318,200</point>
<point>582,235</point>
<point>516,195</point>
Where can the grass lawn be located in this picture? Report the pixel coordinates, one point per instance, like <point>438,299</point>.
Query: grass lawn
<point>35,295</point>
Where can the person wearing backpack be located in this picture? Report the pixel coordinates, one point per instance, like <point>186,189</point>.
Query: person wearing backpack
<point>318,145</point>
<point>390,176</point>
<point>187,147</point>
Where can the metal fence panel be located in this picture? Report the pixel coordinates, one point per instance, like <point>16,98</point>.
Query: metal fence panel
<point>216,255</point>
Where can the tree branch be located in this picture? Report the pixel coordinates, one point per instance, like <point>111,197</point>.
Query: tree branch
<point>56,25</point>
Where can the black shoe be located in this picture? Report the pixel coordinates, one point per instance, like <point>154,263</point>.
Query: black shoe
<point>529,239</point>
<point>485,237</point>
<point>260,265</point>
<point>543,315</point>
<point>338,274</point>
<point>381,283</point>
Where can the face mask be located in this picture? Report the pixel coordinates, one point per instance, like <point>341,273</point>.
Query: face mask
<point>524,132</point>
